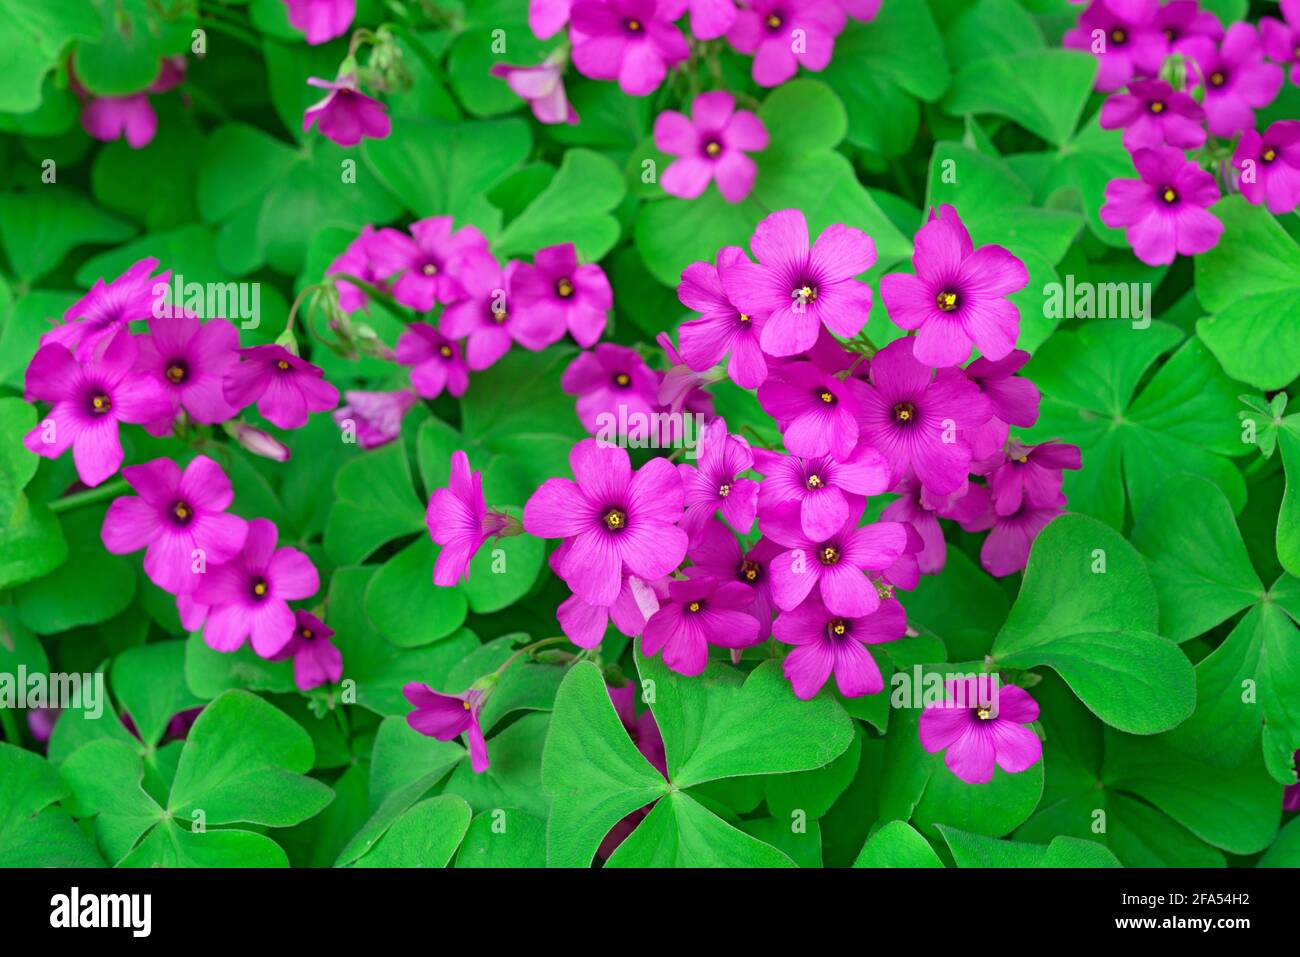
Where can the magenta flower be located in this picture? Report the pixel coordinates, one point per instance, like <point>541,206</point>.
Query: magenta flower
<point>613,385</point>
<point>958,295</point>
<point>435,361</point>
<point>88,401</point>
<point>721,328</point>
<point>816,411</point>
<point>1032,473</point>
<point>189,359</point>
<point>1122,34</point>
<point>912,508</point>
<point>980,727</point>
<point>346,115</point>
<point>1236,78</point>
<point>321,20</point>
<point>766,29</point>
<point>459,521</point>
<point>1152,113</point>
<point>191,613</point>
<point>585,624</point>
<point>316,660</point>
<point>248,597</point>
<point>547,17</point>
<point>822,490</point>
<point>717,553</point>
<point>376,416</point>
<point>428,262</point>
<point>109,118</point>
<point>717,484</point>
<point>1014,400</point>
<point>1179,21</point>
<point>448,716</point>
<point>916,418</point>
<point>627,40</point>
<point>285,387</point>
<point>711,145</point>
<point>488,315</point>
<point>179,518</point>
<point>1270,166</point>
<point>260,443</point>
<point>833,565</point>
<point>108,307</point>
<point>617,519</point>
<point>710,19</point>
<point>558,294</point>
<point>542,87</point>
<point>357,261</point>
<point>1165,212</point>
<point>799,288</point>
<point>827,644</point>
<point>1006,548</point>
<point>1281,38</point>
<point>700,612</point>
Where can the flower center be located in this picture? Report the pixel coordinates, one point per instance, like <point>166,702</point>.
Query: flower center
<point>712,148</point>
<point>904,412</point>
<point>827,396</point>
<point>814,482</point>
<point>615,520</point>
<point>500,315</point>
<point>282,365</point>
<point>564,288</point>
<point>837,627</point>
<point>306,633</point>
<point>1169,195</point>
<point>804,294</point>
<point>183,512</point>
<point>176,373</point>
<point>468,706</point>
<point>1118,36</point>
<point>1218,78</point>
<point>429,269</point>
<point>724,491</point>
<point>444,351</point>
<point>773,21</point>
<point>693,606</point>
<point>1156,106</point>
<point>984,714</point>
<point>828,555</point>
<point>750,570</point>
<point>622,380</point>
<point>632,24</point>
<point>100,403</point>
<point>260,588</point>
<point>946,301</point>
<point>744,318</point>
<point>1268,155</point>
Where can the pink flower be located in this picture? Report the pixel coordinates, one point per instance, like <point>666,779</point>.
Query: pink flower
<point>711,145</point>
<point>179,518</point>
<point>547,17</point>
<point>1006,549</point>
<point>448,716</point>
<point>799,288</point>
<point>717,484</point>
<point>827,644</point>
<point>1122,34</point>
<point>980,727</point>
<point>816,411</point>
<point>1237,80</point>
<point>488,316</point>
<point>1179,21</point>
<point>248,597</point>
<point>557,294</point>
<point>766,29</point>
<point>109,118</point>
<point>700,612</point>
<point>1164,213</point>
<point>617,519</point>
<point>585,624</point>
<point>721,328</point>
<point>627,40</point>
<point>710,19</point>
<point>1270,166</point>
<point>716,553</point>
<point>1152,113</point>
<point>542,87</point>
<point>916,418</point>
<point>108,307</point>
<point>346,115</point>
<point>1014,401</point>
<point>316,660</point>
<point>1032,473</point>
<point>321,20</point>
<point>258,442</point>
<point>1281,38</point>
<point>435,360</point>
<point>189,359</point>
<point>613,385</point>
<point>919,509</point>
<point>89,399</point>
<point>821,490</point>
<point>428,262</point>
<point>459,521</point>
<point>285,387</point>
<point>958,295</point>
<point>376,416</point>
<point>832,565</point>
<point>357,261</point>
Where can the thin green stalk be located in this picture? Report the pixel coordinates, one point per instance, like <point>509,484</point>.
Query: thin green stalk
<point>91,496</point>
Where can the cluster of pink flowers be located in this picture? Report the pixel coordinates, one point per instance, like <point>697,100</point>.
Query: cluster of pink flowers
<point>667,552</point>
<point>1185,92</point>
<point>97,374</point>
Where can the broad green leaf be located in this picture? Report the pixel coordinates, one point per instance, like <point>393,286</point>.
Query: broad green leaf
<point>973,850</point>
<point>678,832</point>
<point>34,38</point>
<point>897,844</point>
<point>374,503</point>
<point>106,777</point>
<point>574,208</point>
<point>208,672</point>
<point>1042,90</point>
<point>406,606</point>
<point>38,230</point>
<point>149,681</point>
<point>427,835</point>
<point>90,587</point>
<point>504,837</point>
<point>34,831</point>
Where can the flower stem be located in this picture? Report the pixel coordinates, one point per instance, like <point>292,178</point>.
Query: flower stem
<point>90,496</point>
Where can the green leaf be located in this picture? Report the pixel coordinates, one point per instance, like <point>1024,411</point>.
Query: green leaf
<point>90,587</point>
<point>1288,519</point>
<point>208,672</point>
<point>35,35</point>
<point>1285,851</point>
<point>1088,610</point>
<point>31,543</point>
<point>427,835</point>
<point>897,844</point>
<point>678,832</point>
<point>374,503</point>
<point>1250,282</point>
<point>404,604</point>
<point>974,850</point>
<point>34,831</point>
<point>149,681</point>
<point>38,230</point>
<point>1042,90</point>
<point>106,777</point>
<point>136,36</point>
<point>574,208</point>
<point>504,837</point>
